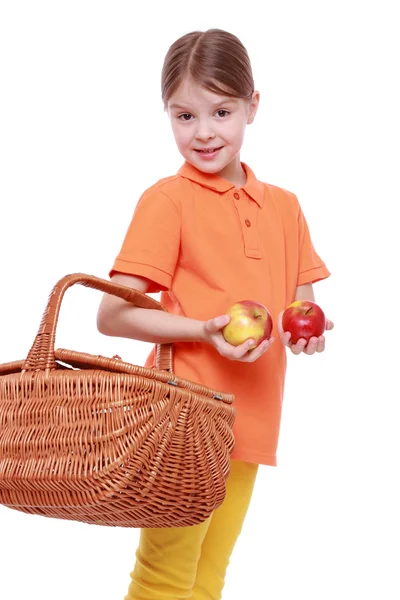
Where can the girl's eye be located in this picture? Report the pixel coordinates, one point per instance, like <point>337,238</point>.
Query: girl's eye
<point>184,115</point>
<point>222,111</point>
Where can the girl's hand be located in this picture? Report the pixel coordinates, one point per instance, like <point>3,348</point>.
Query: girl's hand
<point>212,334</point>
<point>315,344</point>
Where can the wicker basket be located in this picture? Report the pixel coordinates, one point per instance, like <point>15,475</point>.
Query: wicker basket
<point>102,441</point>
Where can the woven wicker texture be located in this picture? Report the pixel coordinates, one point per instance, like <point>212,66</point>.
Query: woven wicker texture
<point>102,441</point>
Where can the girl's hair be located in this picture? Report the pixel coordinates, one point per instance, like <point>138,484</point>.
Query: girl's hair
<point>215,59</point>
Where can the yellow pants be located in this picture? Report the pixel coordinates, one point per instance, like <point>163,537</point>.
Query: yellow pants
<point>190,562</point>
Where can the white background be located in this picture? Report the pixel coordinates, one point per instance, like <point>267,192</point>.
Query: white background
<point>83,133</point>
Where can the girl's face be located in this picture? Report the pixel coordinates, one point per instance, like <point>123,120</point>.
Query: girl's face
<point>209,128</point>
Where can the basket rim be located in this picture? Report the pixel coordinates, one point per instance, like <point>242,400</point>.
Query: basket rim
<point>81,361</point>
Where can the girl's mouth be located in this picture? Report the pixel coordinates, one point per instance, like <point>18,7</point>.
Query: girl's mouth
<point>207,154</point>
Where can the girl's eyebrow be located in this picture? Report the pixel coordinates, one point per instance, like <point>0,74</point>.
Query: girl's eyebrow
<point>224,101</point>
<point>221,101</point>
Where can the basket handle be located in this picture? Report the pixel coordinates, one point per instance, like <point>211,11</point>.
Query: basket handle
<point>41,355</point>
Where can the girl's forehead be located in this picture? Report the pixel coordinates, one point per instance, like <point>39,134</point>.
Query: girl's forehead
<point>195,93</point>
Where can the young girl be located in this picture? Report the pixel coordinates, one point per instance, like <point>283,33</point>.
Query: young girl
<point>208,237</point>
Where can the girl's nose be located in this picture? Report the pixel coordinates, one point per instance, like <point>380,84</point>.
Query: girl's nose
<point>204,131</point>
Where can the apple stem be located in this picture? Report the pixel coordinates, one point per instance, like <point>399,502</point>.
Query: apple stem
<point>308,310</point>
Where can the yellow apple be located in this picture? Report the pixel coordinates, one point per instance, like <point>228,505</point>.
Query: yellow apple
<point>249,320</point>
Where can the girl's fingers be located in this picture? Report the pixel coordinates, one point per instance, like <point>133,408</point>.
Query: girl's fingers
<point>243,349</point>
<point>285,338</point>
<point>233,352</point>
<point>321,344</point>
<point>312,346</point>
<point>299,346</point>
<point>253,355</point>
<point>219,323</point>
<point>329,324</point>
<point>315,345</point>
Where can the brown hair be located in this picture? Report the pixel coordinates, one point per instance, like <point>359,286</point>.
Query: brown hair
<point>215,59</point>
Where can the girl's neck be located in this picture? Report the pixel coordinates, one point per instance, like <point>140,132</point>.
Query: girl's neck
<point>234,173</point>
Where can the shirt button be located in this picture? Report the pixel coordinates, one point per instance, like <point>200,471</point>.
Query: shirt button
<point>248,223</point>
<point>236,196</point>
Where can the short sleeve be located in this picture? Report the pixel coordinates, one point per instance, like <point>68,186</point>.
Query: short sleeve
<point>151,245</point>
<point>311,266</point>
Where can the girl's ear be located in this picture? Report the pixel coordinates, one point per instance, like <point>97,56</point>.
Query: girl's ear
<point>253,106</point>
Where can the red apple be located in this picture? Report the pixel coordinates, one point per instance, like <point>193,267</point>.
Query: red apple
<point>304,319</point>
<point>249,320</point>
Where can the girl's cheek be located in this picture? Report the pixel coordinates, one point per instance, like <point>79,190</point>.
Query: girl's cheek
<point>184,138</point>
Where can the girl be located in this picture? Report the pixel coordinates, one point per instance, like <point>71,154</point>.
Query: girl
<point>206,238</point>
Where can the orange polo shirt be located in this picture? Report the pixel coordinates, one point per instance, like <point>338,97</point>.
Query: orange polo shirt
<point>206,245</point>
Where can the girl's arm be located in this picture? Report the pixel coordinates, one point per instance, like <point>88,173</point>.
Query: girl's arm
<point>119,318</point>
<point>305,292</point>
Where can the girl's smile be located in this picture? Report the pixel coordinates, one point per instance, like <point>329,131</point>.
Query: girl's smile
<point>209,154</point>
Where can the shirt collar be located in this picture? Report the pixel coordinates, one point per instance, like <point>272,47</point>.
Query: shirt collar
<point>252,187</point>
